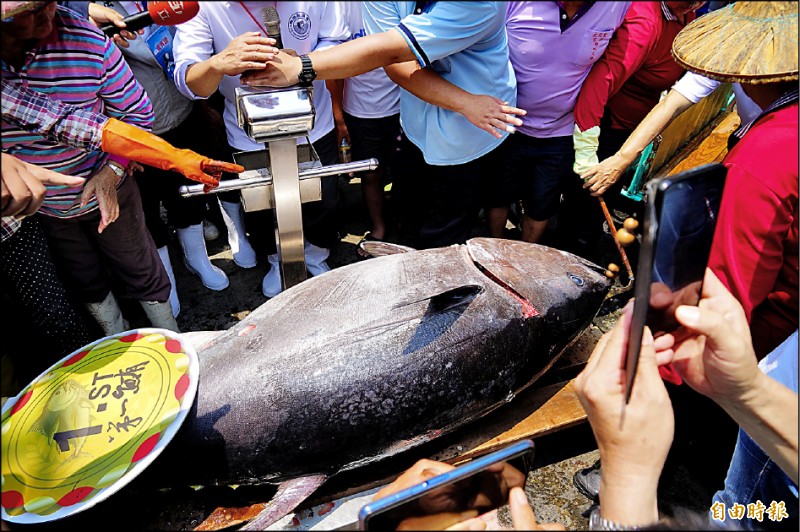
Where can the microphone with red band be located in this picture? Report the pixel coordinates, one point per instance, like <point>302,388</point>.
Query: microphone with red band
<point>159,13</point>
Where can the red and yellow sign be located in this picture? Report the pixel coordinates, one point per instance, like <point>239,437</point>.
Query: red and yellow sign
<point>92,422</point>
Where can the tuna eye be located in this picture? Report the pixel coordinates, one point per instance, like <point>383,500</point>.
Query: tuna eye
<point>575,279</point>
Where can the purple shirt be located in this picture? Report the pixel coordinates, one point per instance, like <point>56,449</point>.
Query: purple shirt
<point>551,64</point>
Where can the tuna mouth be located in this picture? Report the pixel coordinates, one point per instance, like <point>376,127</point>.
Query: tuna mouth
<point>528,310</point>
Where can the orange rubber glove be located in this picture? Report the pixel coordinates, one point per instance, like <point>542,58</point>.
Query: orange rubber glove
<point>138,145</point>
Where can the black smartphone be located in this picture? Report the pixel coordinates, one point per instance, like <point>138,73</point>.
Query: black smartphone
<point>476,485</point>
<point>680,216</point>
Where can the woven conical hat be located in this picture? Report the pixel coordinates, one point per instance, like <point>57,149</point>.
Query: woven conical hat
<point>12,9</point>
<point>744,42</point>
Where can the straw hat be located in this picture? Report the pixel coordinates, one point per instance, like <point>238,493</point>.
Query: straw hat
<point>744,42</point>
<point>12,9</point>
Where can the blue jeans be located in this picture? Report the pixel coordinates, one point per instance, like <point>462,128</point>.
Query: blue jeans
<point>752,477</point>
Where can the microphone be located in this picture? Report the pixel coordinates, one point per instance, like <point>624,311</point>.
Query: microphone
<point>159,13</point>
<point>273,24</point>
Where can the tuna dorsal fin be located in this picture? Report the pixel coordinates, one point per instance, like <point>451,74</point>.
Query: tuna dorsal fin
<point>375,248</point>
<point>261,515</point>
<point>454,297</point>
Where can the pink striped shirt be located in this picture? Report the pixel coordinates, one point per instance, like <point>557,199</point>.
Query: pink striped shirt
<point>77,65</point>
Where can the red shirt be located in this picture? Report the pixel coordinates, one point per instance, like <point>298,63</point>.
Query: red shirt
<point>636,67</point>
<point>755,251</point>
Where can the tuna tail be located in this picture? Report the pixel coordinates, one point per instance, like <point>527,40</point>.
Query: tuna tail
<point>289,495</point>
<point>376,248</point>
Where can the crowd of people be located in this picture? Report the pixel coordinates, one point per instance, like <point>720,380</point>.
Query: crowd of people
<point>499,107</point>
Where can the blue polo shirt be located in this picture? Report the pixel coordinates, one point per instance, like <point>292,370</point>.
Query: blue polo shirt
<point>465,42</point>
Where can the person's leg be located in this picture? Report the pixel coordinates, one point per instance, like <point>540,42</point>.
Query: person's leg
<point>320,217</point>
<point>374,137</point>
<point>132,257</point>
<point>542,163</point>
<point>31,280</point>
<point>502,188</point>
<point>187,214</point>
<point>455,199</point>
<point>409,191</point>
<point>752,477</point>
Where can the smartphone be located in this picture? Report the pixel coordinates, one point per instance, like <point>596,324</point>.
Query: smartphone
<point>474,485</point>
<point>680,216</point>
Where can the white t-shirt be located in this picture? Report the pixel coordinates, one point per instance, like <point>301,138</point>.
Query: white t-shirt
<point>305,27</point>
<point>373,94</point>
<point>695,87</point>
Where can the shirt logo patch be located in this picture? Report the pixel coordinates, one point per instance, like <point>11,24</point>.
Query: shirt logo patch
<point>300,25</point>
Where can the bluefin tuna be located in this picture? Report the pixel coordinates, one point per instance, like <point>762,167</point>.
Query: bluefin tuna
<point>376,357</point>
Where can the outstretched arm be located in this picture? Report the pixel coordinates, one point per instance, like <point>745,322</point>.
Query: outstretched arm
<point>609,170</point>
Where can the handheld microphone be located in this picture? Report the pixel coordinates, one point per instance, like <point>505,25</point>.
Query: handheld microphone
<point>159,13</point>
<point>273,24</point>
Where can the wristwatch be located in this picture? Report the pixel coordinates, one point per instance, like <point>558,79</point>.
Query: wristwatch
<point>307,74</point>
<point>597,522</point>
<point>116,168</point>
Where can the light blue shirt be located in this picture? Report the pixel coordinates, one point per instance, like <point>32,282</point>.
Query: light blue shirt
<point>465,43</point>
<point>781,364</point>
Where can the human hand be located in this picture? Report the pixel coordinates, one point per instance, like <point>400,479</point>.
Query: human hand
<point>717,358</point>
<point>454,506</point>
<point>522,515</point>
<point>490,114</point>
<point>633,439</point>
<point>101,15</point>
<point>23,185</point>
<point>280,71</point>
<point>103,185</point>
<point>601,176</point>
<point>248,51</point>
<point>133,166</point>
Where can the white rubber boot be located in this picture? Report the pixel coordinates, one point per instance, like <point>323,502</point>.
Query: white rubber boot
<point>160,315</point>
<point>210,231</point>
<point>108,315</point>
<point>163,254</point>
<point>195,257</point>
<point>315,259</point>
<point>243,253</point>
<point>271,285</point>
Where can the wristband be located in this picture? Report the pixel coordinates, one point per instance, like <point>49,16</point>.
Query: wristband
<point>597,522</point>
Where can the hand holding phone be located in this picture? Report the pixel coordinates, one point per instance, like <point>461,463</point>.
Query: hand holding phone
<point>680,219</point>
<point>435,496</point>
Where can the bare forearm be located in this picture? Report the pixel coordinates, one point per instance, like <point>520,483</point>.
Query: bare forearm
<point>427,85</point>
<point>361,55</point>
<point>204,78</point>
<point>336,88</point>
<point>654,123</point>
<point>770,416</point>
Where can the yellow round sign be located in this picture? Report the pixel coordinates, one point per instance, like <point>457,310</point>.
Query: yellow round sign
<point>92,422</point>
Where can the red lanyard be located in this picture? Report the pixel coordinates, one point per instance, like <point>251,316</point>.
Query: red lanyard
<point>139,6</point>
<point>254,18</point>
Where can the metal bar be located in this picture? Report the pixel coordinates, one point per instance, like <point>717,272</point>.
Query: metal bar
<point>247,182</point>
<point>288,214</point>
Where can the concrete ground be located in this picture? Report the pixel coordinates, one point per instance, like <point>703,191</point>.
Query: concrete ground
<point>558,456</point>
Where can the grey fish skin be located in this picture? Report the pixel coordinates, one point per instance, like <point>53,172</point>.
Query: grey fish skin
<point>376,357</point>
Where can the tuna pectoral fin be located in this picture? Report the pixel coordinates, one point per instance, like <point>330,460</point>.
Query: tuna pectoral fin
<point>455,297</point>
<point>261,515</point>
